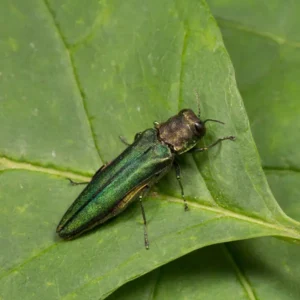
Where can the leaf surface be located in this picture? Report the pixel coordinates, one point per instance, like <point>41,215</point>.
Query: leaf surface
<point>256,34</point>
<point>74,77</point>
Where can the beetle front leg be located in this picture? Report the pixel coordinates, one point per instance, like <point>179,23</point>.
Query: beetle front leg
<point>231,138</point>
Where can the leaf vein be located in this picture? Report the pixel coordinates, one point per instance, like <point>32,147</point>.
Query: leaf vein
<point>155,285</point>
<point>281,169</point>
<point>220,210</point>
<point>75,74</point>
<point>268,35</point>
<point>239,273</point>
<point>182,56</point>
<point>292,232</point>
<point>10,164</point>
<point>28,260</point>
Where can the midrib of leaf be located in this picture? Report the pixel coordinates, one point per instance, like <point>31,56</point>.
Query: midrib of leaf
<point>10,164</point>
<point>227,213</point>
<point>75,74</point>
<point>219,210</point>
<point>268,35</point>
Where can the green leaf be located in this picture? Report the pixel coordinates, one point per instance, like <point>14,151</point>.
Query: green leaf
<point>264,268</point>
<point>74,76</point>
<point>267,70</point>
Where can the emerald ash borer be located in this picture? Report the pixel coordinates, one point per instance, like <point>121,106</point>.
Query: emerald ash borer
<point>130,176</point>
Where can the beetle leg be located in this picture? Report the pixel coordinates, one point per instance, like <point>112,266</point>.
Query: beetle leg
<point>178,177</point>
<point>123,140</point>
<point>142,194</point>
<point>76,183</point>
<point>231,138</point>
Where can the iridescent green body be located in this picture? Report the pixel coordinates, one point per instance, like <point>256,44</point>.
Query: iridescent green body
<point>105,196</point>
<point>133,173</point>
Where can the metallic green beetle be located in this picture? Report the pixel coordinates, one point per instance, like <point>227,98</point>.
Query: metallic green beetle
<point>131,175</point>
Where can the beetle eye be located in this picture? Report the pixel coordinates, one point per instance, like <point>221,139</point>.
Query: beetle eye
<point>200,129</point>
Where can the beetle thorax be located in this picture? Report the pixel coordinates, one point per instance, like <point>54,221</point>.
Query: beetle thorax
<point>179,131</point>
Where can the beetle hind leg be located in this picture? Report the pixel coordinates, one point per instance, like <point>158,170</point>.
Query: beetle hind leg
<point>142,194</point>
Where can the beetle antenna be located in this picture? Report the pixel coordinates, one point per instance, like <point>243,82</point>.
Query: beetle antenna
<point>198,102</point>
<point>212,120</point>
